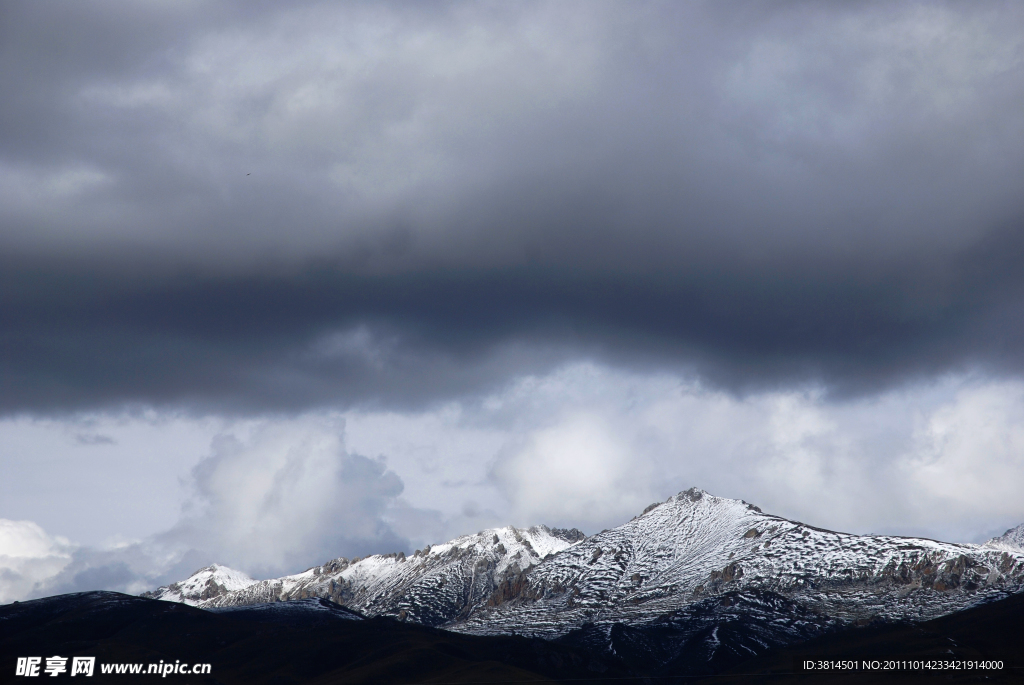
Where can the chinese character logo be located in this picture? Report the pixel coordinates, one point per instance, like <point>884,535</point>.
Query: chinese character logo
<point>28,665</point>
<point>56,665</point>
<point>83,665</point>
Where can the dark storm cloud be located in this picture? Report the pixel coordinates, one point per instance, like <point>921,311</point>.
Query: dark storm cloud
<point>275,208</point>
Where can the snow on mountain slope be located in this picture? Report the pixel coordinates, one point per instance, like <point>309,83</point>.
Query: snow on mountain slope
<point>696,546</point>
<point>434,586</point>
<point>204,584</point>
<point>691,551</point>
<point>1010,541</point>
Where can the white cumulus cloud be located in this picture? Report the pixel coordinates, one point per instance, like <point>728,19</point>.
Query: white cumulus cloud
<point>28,557</point>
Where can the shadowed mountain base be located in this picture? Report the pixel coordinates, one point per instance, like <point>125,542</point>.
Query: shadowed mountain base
<point>316,641</point>
<point>993,631</point>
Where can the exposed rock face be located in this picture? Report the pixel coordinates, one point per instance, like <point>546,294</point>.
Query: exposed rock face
<point>568,534</point>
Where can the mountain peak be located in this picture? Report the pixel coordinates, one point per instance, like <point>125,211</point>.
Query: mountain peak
<point>1012,540</point>
<point>207,583</point>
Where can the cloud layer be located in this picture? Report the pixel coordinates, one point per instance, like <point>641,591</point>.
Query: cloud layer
<point>256,207</point>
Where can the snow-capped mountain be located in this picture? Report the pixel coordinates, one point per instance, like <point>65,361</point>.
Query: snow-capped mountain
<point>695,546</point>
<point>681,566</point>
<point>434,586</point>
<point>1011,541</point>
<point>204,584</point>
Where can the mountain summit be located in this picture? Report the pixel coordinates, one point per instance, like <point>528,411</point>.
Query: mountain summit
<point>1012,540</point>
<point>203,585</point>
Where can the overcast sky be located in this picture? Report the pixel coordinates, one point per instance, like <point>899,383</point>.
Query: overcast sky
<point>285,282</point>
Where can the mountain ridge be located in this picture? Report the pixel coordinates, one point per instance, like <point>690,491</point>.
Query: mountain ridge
<point>432,586</point>
<point>661,565</point>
